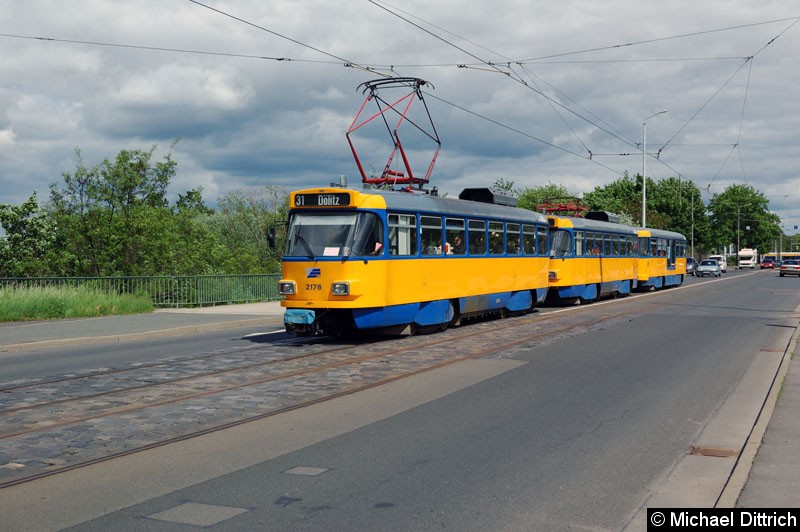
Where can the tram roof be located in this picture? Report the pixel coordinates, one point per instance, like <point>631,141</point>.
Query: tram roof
<point>596,225</point>
<point>662,233</point>
<point>425,203</point>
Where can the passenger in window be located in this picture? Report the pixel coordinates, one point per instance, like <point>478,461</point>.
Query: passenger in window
<point>458,246</point>
<point>478,246</point>
<point>495,243</point>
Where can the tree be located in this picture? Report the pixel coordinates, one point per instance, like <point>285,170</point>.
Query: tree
<point>623,196</point>
<point>28,242</point>
<point>113,218</point>
<point>243,224</point>
<point>740,215</point>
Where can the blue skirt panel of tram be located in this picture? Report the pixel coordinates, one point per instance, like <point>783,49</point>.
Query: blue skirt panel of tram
<point>427,313</point>
<point>662,282</point>
<point>440,312</point>
<point>589,291</point>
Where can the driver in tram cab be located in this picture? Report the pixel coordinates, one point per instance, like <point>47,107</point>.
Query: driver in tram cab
<point>374,245</point>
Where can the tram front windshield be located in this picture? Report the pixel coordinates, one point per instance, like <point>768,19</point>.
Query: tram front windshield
<point>329,234</point>
<point>560,244</point>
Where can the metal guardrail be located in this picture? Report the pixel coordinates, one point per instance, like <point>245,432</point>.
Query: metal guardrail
<point>170,291</point>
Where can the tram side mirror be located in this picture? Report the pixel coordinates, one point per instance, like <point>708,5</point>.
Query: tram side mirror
<point>271,237</point>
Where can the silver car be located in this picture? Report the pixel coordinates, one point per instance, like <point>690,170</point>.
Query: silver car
<point>708,267</point>
<point>691,265</point>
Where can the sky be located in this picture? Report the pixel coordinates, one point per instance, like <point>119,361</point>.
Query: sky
<point>532,92</point>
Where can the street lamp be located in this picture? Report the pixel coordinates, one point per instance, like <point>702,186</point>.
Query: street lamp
<point>644,166</point>
<point>739,225</point>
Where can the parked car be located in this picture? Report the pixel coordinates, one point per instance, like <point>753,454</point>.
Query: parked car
<point>790,267</point>
<point>708,267</point>
<point>721,260</point>
<point>691,265</point>
<point>768,263</point>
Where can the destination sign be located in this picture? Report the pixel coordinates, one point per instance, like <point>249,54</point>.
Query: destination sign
<point>337,199</point>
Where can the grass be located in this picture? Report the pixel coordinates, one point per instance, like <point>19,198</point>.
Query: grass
<point>27,304</point>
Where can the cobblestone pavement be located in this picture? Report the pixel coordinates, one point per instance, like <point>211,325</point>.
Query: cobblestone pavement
<point>67,420</point>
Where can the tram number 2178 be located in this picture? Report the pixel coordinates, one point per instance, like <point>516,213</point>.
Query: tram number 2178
<point>313,286</point>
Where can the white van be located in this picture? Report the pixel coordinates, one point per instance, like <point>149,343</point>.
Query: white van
<point>723,264</point>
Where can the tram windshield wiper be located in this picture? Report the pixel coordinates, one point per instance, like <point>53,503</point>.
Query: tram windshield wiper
<point>309,252</point>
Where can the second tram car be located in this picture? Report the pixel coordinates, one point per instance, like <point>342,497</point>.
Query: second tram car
<point>662,259</point>
<point>395,261</point>
<point>590,258</point>
<point>597,257</point>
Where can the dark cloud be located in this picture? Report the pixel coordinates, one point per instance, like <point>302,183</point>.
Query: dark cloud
<point>567,79</point>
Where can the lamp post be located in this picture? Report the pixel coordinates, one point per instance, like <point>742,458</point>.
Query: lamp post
<point>739,224</point>
<point>644,166</point>
<point>738,229</point>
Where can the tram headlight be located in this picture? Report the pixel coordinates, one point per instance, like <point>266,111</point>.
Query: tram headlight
<point>287,288</point>
<point>340,288</point>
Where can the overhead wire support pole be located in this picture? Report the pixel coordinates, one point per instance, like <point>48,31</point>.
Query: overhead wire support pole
<point>644,166</point>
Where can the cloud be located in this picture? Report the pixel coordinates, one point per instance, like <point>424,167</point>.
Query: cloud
<point>541,87</point>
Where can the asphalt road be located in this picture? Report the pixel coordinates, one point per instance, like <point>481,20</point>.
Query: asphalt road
<point>573,433</point>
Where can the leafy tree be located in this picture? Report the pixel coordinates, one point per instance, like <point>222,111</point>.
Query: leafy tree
<point>29,239</point>
<point>113,217</point>
<point>623,196</point>
<point>741,214</point>
<point>195,248</point>
<point>672,204</point>
<point>243,224</point>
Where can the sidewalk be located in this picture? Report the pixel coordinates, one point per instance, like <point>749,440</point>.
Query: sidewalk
<point>773,481</point>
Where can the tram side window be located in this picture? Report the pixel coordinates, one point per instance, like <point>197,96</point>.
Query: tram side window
<point>591,248</point>
<point>496,243</point>
<point>579,243</point>
<point>431,235</point>
<point>529,239</point>
<point>631,246</point>
<point>662,247</point>
<point>607,245</point>
<point>402,234</point>
<point>456,236</point>
<point>512,239</point>
<point>541,240</point>
<point>477,237</point>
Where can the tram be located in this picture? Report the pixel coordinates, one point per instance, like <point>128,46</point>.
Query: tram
<point>406,261</point>
<point>596,256</point>
<point>394,257</point>
<point>591,258</point>
<point>662,259</point>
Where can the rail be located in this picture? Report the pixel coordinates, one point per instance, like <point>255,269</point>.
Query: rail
<point>169,291</point>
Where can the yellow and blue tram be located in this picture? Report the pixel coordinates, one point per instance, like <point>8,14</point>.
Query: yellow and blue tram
<point>596,257</point>
<point>662,259</point>
<point>387,260</point>
<point>591,258</point>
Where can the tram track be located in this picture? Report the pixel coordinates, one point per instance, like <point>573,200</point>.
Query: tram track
<point>260,390</point>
